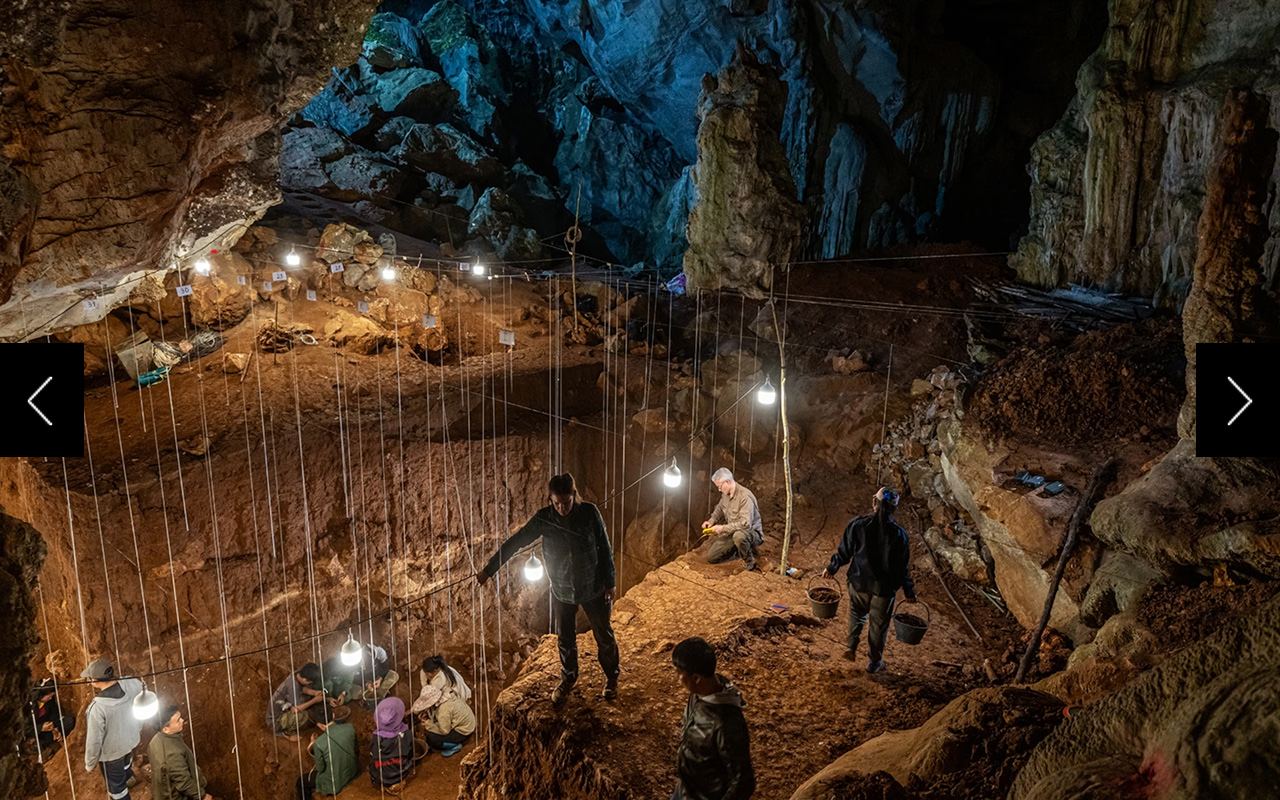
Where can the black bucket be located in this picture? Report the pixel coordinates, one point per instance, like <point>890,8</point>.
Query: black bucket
<point>823,600</point>
<point>909,628</point>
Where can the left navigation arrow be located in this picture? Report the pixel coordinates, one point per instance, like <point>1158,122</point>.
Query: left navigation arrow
<point>31,401</point>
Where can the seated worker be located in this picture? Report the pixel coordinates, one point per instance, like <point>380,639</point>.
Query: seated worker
<point>46,724</point>
<point>735,521</point>
<point>334,750</point>
<point>442,707</point>
<point>337,679</point>
<point>289,708</point>
<point>391,751</point>
<point>380,678</point>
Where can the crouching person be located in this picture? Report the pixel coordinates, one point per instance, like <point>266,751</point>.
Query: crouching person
<point>447,720</point>
<point>391,750</point>
<point>714,760</point>
<point>288,711</point>
<point>334,750</point>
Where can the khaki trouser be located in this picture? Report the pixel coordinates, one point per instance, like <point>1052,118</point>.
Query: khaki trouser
<point>292,721</point>
<point>389,682</point>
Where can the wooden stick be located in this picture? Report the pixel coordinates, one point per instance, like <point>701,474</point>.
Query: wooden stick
<point>933,559</point>
<point>1101,477</point>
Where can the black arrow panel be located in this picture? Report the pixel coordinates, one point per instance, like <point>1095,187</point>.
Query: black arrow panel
<point>55,425</point>
<point>1237,400</point>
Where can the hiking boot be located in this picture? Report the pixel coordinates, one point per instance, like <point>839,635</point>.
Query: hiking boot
<point>875,666</point>
<point>610,691</point>
<point>849,655</point>
<point>750,566</point>
<point>559,694</point>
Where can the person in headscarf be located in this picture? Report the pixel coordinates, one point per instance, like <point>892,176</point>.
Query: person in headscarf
<point>391,750</point>
<point>447,721</point>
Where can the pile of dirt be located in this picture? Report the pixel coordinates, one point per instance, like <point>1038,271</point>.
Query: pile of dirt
<point>1105,385</point>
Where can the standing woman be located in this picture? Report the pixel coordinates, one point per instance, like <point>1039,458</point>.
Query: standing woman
<point>447,721</point>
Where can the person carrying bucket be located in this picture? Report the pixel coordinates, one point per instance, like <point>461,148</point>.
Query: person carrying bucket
<point>875,548</point>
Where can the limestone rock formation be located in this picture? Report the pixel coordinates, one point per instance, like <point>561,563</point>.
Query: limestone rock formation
<point>1119,182</point>
<point>1190,511</point>
<point>971,748</point>
<point>746,225</point>
<point>1202,724</point>
<point>144,133</point>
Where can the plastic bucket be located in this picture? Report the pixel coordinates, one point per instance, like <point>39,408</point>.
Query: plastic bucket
<point>824,600</point>
<point>909,628</point>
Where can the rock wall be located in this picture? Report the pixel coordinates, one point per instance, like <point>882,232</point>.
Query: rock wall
<point>135,133</point>
<point>1120,181</point>
<point>21,555</point>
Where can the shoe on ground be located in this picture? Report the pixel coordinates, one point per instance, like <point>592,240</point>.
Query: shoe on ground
<point>750,566</point>
<point>131,782</point>
<point>450,750</point>
<point>560,693</point>
<point>875,666</point>
<point>849,655</point>
<point>610,691</point>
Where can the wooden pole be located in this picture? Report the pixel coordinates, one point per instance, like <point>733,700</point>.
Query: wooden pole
<point>1101,477</point>
<point>786,437</point>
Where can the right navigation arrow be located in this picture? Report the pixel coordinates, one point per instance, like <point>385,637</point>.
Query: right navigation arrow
<point>1248,401</point>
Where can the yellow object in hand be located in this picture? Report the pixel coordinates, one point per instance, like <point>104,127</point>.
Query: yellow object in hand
<point>708,531</point>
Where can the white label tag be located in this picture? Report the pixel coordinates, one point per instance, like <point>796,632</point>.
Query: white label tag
<point>266,286</point>
<point>363,306</point>
<point>311,294</point>
<point>506,337</point>
<point>279,275</point>
<point>336,267</point>
<point>92,304</point>
<point>240,280</point>
<point>184,291</point>
<point>428,320</point>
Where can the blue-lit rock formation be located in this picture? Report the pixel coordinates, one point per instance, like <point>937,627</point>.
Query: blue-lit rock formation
<point>898,122</point>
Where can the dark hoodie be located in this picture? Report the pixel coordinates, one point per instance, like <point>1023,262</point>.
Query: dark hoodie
<point>714,761</point>
<point>877,562</point>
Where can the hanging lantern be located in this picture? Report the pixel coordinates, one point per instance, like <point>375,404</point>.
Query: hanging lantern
<point>478,269</point>
<point>293,259</point>
<point>388,273</point>
<point>202,265</point>
<point>766,395</point>
<point>533,570</point>
<point>351,652</point>
<point>146,704</point>
<point>671,477</point>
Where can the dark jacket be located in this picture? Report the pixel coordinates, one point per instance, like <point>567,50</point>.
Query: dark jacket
<point>877,564</point>
<point>714,762</point>
<point>576,549</point>
<point>174,774</point>
<point>391,759</point>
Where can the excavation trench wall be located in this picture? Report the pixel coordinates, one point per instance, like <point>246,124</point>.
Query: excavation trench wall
<point>328,525</point>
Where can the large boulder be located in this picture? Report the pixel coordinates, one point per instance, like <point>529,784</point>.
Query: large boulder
<point>1202,724</point>
<point>470,63</point>
<point>497,217</point>
<point>356,333</point>
<point>391,42</point>
<point>450,152</point>
<point>414,92</point>
<point>219,301</point>
<point>973,748</point>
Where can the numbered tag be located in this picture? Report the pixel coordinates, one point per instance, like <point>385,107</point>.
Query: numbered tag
<point>240,280</point>
<point>279,275</point>
<point>184,291</point>
<point>92,304</point>
<point>266,286</point>
<point>363,306</point>
<point>506,337</point>
<point>311,294</point>
<point>428,320</point>
<point>336,267</point>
